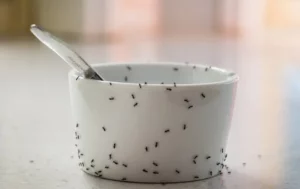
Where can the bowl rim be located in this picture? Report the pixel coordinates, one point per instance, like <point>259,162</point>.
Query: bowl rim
<point>232,76</point>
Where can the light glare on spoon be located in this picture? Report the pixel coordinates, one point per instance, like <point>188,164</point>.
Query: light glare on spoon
<point>65,52</point>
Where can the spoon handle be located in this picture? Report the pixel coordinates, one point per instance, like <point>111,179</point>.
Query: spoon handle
<point>65,52</point>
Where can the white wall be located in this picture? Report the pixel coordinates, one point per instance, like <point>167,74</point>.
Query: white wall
<point>187,15</point>
<point>247,16</point>
<point>95,16</point>
<point>252,16</point>
<point>229,14</point>
<point>132,17</point>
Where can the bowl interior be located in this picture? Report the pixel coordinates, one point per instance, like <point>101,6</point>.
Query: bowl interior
<point>168,73</point>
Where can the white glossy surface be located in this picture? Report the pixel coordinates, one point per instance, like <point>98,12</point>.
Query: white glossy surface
<point>182,74</point>
<point>118,123</point>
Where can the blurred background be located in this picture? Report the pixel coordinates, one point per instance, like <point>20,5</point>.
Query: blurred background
<point>259,39</point>
<point>127,22</point>
<point>124,25</point>
<point>96,19</point>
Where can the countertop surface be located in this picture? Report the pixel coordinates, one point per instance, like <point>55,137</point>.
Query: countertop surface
<point>36,131</point>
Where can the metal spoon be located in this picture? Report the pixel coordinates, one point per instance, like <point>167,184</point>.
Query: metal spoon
<point>66,53</point>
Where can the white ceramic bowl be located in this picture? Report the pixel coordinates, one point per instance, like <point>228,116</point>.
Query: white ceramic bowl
<point>130,130</point>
